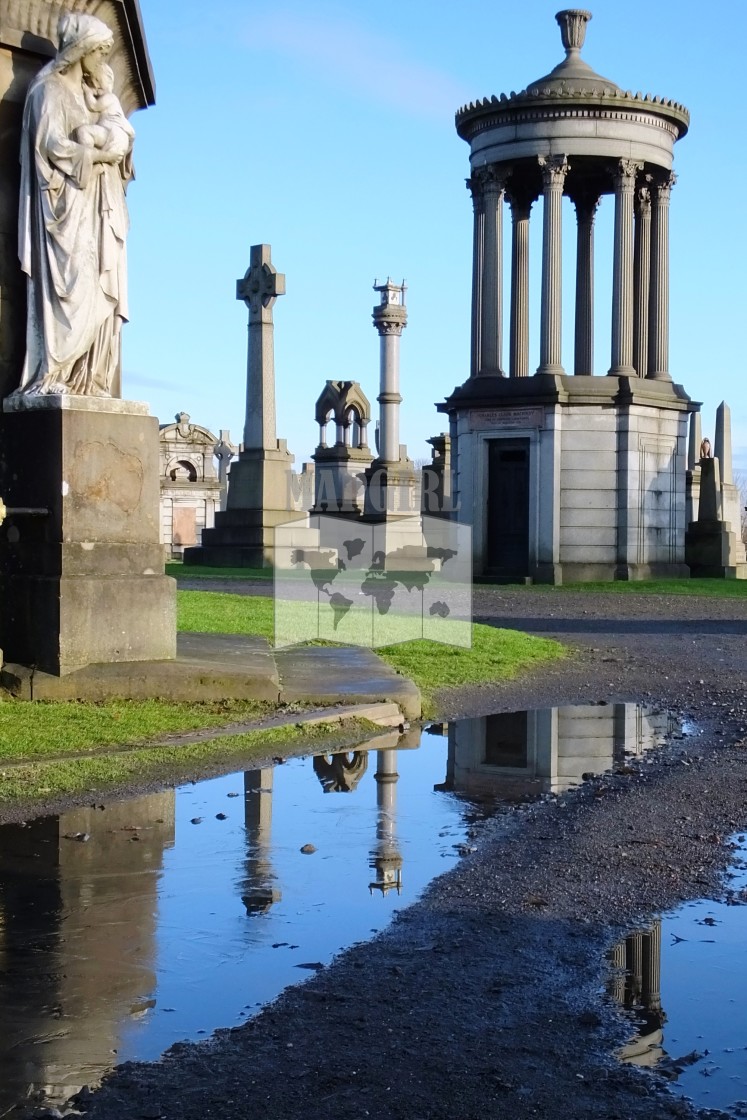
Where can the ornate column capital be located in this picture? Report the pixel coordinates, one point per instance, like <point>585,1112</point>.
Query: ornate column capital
<point>490,179</point>
<point>521,200</point>
<point>554,170</point>
<point>386,327</point>
<point>624,174</point>
<point>586,204</point>
<point>663,188</point>
<point>643,200</point>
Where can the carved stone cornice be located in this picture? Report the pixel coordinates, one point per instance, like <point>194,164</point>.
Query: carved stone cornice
<point>554,170</point>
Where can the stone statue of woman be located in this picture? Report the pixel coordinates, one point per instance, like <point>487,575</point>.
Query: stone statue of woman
<point>76,157</point>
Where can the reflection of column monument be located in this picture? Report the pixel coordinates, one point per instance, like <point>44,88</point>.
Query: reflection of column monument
<point>259,892</point>
<point>386,858</point>
<point>340,773</point>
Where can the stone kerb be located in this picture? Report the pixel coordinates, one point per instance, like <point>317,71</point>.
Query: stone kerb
<point>373,584</point>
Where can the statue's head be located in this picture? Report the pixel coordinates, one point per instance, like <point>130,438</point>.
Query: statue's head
<point>82,38</point>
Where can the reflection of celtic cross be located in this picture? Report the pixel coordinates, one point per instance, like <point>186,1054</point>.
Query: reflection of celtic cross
<point>259,289</point>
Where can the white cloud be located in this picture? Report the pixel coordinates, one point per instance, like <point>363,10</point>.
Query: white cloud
<point>360,60</point>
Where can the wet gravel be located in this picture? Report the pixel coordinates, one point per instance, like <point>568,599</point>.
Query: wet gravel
<point>486,998</point>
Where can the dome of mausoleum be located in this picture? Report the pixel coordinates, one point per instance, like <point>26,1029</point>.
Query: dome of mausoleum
<point>575,111</point>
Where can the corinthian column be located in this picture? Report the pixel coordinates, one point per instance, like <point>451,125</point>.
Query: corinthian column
<point>658,342</point>
<point>478,245</point>
<point>491,307</point>
<point>554,171</point>
<point>521,206</point>
<point>586,209</point>
<point>622,277</point>
<point>641,279</point>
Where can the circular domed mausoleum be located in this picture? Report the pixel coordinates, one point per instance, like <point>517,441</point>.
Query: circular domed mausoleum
<point>572,477</point>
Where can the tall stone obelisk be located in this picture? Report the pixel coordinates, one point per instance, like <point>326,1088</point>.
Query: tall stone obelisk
<point>259,491</point>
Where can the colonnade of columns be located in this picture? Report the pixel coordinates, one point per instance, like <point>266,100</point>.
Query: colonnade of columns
<point>640,289</point>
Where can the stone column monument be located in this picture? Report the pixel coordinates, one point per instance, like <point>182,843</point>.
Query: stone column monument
<point>391,480</point>
<point>259,490</point>
<point>83,584</point>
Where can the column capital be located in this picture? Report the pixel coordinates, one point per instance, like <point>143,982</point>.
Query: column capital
<point>520,199</point>
<point>554,170</point>
<point>490,179</point>
<point>624,174</point>
<point>643,199</point>
<point>475,189</point>
<point>586,204</point>
<point>663,187</point>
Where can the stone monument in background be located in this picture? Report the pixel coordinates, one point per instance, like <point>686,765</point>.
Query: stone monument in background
<point>259,490</point>
<point>82,582</point>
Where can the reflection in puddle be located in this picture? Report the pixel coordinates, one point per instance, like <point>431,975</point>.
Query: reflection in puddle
<point>516,755</point>
<point>698,951</point>
<point>164,917</point>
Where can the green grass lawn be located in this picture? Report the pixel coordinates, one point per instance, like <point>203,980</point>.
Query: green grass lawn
<point>53,728</point>
<point>712,588</point>
<point>43,780</point>
<point>495,654</point>
<point>179,571</point>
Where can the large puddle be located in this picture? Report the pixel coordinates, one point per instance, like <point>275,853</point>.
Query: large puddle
<point>685,981</point>
<point>124,929</point>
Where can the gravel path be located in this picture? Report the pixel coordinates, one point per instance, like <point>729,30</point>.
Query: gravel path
<point>483,999</point>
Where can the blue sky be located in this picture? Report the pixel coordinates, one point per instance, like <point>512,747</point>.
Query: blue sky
<point>326,128</point>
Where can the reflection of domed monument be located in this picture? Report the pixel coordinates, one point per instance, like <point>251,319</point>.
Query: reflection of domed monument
<point>572,476</point>
<point>637,987</point>
<point>78,946</point>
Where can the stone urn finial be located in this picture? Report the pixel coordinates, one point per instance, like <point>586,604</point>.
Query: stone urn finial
<point>573,23</point>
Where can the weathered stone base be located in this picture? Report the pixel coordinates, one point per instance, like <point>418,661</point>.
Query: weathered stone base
<point>711,550</point>
<point>259,498</point>
<point>241,538</point>
<point>82,580</point>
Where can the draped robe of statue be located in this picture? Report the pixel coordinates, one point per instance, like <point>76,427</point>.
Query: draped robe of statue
<point>72,228</point>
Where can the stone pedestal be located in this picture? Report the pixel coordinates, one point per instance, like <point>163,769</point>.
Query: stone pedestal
<point>259,498</point>
<point>83,583</point>
<point>712,548</point>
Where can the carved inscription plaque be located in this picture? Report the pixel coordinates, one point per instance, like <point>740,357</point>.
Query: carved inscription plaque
<point>483,419</point>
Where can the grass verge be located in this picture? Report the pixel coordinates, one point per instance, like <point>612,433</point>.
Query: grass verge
<point>495,655</point>
<point>708,588</point>
<point>52,728</point>
<point>179,571</point>
<point>48,780</point>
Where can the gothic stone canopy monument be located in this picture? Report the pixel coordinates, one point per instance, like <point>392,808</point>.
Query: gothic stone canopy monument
<point>82,581</point>
<point>563,475</point>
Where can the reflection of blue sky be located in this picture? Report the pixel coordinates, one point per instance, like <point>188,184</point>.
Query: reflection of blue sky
<point>214,961</point>
<point>327,130</point>
<point>704,995</point>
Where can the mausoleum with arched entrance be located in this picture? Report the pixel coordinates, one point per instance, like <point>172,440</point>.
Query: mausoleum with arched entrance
<point>571,471</point>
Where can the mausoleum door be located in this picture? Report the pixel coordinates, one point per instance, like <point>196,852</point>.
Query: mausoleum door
<point>508,507</point>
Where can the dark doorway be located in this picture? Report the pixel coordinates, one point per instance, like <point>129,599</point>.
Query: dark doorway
<point>508,508</point>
